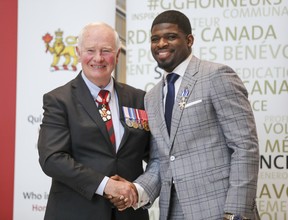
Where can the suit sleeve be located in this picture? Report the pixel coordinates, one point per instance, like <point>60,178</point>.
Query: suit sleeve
<point>54,147</point>
<point>150,179</point>
<point>230,100</point>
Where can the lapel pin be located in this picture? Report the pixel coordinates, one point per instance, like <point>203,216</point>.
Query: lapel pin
<point>183,99</point>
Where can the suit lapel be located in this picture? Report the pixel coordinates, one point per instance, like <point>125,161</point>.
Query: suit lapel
<point>122,101</point>
<point>188,83</point>
<point>84,97</point>
<point>159,110</point>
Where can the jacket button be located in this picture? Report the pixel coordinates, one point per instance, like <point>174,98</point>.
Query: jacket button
<point>172,158</point>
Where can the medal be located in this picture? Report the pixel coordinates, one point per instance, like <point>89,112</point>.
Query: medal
<point>183,99</point>
<point>182,103</point>
<point>138,119</point>
<point>133,117</point>
<point>144,119</point>
<point>127,116</point>
<point>105,113</point>
<point>146,126</point>
<point>128,122</point>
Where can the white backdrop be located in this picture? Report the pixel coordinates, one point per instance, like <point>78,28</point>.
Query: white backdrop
<point>248,35</point>
<point>251,37</point>
<point>34,78</point>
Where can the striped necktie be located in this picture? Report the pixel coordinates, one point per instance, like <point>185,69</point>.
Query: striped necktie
<point>104,110</point>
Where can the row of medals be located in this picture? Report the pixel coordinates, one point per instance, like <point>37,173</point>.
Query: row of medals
<point>141,124</point>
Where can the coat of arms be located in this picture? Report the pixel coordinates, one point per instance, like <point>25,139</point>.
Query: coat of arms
<point>59,51</point>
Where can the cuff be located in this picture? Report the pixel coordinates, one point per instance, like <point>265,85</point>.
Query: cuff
<point>101,187</point>
<point>143,198</point>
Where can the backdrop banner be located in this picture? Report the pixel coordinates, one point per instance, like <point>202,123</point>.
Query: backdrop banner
<point>250,36</point>
<point>46,31</point>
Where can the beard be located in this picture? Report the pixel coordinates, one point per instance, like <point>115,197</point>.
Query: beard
<point>167,63</point>
<point>167,66</point>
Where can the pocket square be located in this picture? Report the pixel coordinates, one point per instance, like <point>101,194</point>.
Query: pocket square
<point>193,103</point>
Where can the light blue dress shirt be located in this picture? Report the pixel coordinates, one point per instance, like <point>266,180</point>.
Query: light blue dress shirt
<point>114,108</point>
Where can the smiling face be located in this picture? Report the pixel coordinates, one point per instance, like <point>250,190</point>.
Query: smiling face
<point>98,53</point>
<point>169,45</point>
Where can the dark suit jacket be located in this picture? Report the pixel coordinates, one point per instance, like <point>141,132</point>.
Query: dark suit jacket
<point>75,150</point>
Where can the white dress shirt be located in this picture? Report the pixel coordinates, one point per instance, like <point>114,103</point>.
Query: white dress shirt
<point>179,70</point>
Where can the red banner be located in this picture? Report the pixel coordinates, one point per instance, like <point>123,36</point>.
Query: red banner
<point>8,57</point>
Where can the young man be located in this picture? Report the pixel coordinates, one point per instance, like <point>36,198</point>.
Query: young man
<point>204,158</point>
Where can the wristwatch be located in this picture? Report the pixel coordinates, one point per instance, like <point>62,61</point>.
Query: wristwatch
<point>230,216</point>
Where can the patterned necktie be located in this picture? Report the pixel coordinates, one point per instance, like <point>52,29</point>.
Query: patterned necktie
<point>171,78</point>
<point>104,109</point>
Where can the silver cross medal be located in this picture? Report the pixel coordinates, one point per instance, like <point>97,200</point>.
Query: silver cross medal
<point>183,99</point>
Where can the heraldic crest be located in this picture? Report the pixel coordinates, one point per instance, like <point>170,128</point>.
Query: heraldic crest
<point>59,51</point>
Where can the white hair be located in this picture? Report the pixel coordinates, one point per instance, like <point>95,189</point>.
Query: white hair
<point>84,29</point>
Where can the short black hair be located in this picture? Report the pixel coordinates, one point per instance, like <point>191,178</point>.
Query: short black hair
<point>174,17</point>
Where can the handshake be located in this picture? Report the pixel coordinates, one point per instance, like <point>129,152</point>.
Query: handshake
<point>121,193</point>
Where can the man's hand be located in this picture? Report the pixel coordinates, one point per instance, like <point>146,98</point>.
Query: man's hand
<point>121,193</point>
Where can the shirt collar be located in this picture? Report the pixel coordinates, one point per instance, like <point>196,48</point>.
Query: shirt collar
<point>94,90</point>
<point>181,68</point>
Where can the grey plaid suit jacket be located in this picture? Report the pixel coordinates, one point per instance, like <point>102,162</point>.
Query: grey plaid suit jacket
<point>212,153</point>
